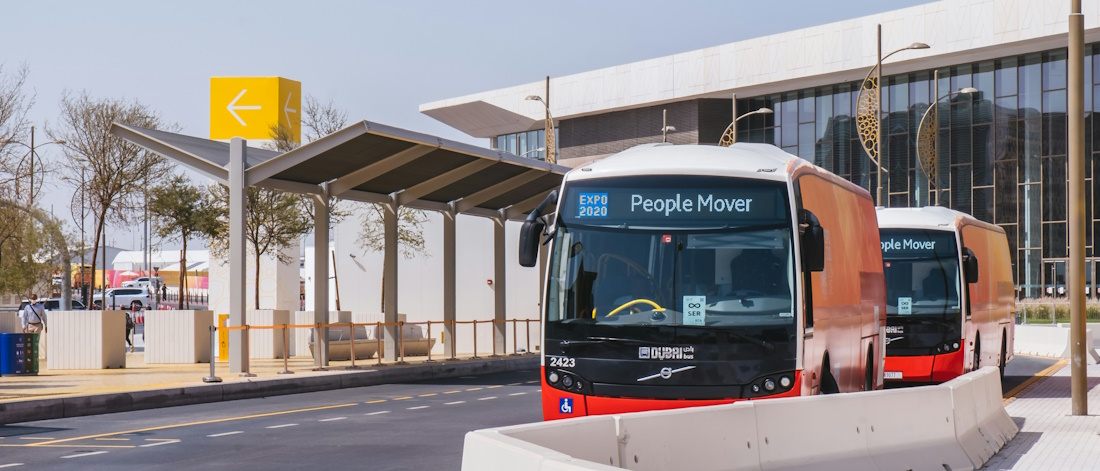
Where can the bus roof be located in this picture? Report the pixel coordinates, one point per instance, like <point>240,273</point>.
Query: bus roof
<point>757,161</point>
<point>929,217</point>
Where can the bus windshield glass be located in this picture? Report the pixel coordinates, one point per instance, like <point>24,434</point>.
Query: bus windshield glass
<point>674,259</point>
<point>922,273</point>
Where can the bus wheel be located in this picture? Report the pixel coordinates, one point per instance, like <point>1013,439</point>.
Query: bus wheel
<point>1004,356</point>
<point>869,375</point>
<point>977,356</point>
<point>828,382</point>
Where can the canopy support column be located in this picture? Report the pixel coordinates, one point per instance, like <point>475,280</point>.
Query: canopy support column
<point>320,275</point>
<point>389,281</point>
<point>449,266</point>
<point>238,355</point>
<point>499,292</point>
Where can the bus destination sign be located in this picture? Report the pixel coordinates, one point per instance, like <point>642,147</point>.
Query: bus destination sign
<point>651,205</point>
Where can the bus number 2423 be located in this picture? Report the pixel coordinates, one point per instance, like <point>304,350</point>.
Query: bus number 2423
<point>562,362</point>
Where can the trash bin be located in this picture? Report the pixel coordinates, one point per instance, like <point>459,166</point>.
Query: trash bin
<point>18,354</point>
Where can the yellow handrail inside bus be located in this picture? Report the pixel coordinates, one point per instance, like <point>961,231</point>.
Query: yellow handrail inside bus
<point>656,307</point>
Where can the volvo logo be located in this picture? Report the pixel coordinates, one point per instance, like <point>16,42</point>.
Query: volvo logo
<point>665,373</point>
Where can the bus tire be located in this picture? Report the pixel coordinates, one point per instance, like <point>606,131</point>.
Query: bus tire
<point>828,381</point>
<point>1004,355</point>
<point>869,375</point>
<point>977,356</point>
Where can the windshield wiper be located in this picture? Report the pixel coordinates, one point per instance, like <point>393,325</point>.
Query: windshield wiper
<point>764,344</point>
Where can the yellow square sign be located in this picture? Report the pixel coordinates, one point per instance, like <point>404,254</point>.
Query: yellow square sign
<point>250,107</point>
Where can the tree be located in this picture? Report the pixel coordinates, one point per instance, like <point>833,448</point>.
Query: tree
<point>116,171</point>
<point>181,210</point>
<point>273,220</point>
<point>19,245</point>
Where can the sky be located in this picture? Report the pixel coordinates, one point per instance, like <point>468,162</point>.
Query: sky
<point>378,61</point>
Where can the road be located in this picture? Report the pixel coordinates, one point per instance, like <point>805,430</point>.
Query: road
<point>387,427</point>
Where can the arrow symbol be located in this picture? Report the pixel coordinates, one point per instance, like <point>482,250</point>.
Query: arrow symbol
<point>287,110</point>
<point>233,106</point>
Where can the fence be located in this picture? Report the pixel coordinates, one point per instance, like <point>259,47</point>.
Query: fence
<point>379,340</point>
<point>196,296</point>
<point>1039,311</point>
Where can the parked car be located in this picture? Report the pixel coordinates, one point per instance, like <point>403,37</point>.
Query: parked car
<point>136,298</point>
<point>143,281</point>
<point>54,304</point>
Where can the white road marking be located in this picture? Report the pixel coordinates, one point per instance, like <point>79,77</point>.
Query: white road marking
<point>514,384</point>
<point>419,407</point>
<point>78,455</point>
<point>35,438</point>
<point>517,394</point>
<point>216,435</point>
<point>166,442</point>
<point>453,403</point>
<point>10,465</point>
<point>379,412</point>
<point>532,382</point>
<point>487,398</point>
<point>283,425</point>
<point>332,419</point>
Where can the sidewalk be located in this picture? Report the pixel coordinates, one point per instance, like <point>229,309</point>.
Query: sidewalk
<point>1050,438</point>
<point>56,394</point>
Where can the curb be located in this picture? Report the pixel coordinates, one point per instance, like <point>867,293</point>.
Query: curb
<point>95,404</point>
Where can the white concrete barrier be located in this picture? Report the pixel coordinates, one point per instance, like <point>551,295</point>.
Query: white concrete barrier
<point>10,323</point>
<point>958,425</point>
<point>178,337</point>
<point>299,339</point>
<point>1050,341</point>
<point>266,343</point>
<point>86,340</point>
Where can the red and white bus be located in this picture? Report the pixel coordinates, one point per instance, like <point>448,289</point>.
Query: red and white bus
<point>949,294</point>
<point>693,275</point>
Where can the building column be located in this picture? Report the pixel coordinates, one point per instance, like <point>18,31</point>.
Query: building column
<point>238,354</point>
<point>449,266</point>
<point>499,292</point>
<point>320,275</point>
<point>389,280</point>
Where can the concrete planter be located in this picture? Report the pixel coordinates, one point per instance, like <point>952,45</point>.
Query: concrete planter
<point>178,336</point>
<point>266,343</point>
<point>86,340</point>
<point>299,338</point>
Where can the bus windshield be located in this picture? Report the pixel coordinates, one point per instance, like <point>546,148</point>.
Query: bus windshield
<point>675,260</point>
<point>922,273</point>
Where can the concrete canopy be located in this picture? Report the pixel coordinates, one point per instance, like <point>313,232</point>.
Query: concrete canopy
<point>374,163</point>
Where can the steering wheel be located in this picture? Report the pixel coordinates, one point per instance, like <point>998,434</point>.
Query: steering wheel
<point>635,302</point>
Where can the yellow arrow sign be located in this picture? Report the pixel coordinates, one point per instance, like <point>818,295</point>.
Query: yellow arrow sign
<point>254,107</point>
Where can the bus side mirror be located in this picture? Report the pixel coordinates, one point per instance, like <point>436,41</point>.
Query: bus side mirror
<point>970,265</point>
<point>529,236</point>
<point>531,232</point>
<point>813,242</point>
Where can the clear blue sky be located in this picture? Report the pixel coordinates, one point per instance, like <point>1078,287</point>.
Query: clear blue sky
<point>377,60</point>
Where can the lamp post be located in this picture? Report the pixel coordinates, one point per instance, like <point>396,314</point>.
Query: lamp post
<point>540,149</point>
<point>729,136</point>
<point>550,141</point>
<point>927,144</point>
<point>32,147</point>
<point>665,128</point>
<point>869,110</point>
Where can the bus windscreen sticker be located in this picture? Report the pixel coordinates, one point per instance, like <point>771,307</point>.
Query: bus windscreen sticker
<point>695,310</point>
<point>905,305</point>
<point>592,205</point>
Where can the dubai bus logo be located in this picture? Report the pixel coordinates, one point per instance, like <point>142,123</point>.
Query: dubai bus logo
<point>666,353</point>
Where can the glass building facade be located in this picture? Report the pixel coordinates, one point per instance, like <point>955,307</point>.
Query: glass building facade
<point>1002,153</point>
<point>529,144</point>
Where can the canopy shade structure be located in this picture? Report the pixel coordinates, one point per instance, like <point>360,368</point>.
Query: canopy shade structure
<point>372,163</point>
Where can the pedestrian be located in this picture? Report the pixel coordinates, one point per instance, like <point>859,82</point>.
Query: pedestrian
<point>163,292</point>
<point>130,331</point>
<point>33,316</point>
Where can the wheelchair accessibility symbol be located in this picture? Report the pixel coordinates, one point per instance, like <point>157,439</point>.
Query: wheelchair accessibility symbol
<point>566,405</point>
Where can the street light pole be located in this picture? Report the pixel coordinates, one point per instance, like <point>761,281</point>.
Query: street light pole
<point>1076,110</point>
<point>927,143</point>
<point>551,158</point>
<point>729,136</point>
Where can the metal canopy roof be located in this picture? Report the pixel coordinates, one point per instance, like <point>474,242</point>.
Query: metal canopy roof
<point>377,163</point>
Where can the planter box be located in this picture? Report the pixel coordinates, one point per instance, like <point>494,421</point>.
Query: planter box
<point>266,343</point>
<point>86,340</point>
<point>178,336</point>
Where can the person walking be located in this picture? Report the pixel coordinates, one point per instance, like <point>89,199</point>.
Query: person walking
<point>33,316</point>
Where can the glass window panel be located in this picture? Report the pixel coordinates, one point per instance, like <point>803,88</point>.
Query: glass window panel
<point>1005,110</point>
<point>511,144</point>
<point>983,147</point>
<point>1054,101</point>
<point>824,114</point>
<point>790,120</point>
<point>1006,192</point>
<point>1054,70</point>
<point>1055,132</point>
<point>918,100</point>
<point>806,139</point>
<point>502,141</point>
<point>1054,189</point>
<point>1005,77</point>
<point>942,106</point>
<point>1088,81</point>
<point>1054,240</point>
<point>842,101</point>
<point>806,107</point>
<point>1030,132</point>
<point>960,188</point>
<point>983,204</point>
<point>983,100</point>
<point>960,146</point>
<point>1010,234</point>
<point>521,143</point>
<point>1005,141</point>
<point>898,163</point>
<point>1030,86</point>
<point>960,78</point>
<point>1029,215</point>
<point>1030,266</point>
<point>943,159</point>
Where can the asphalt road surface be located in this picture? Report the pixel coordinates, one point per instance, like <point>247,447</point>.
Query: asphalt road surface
<point>388,427</point>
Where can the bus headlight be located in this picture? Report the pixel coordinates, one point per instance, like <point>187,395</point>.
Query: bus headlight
<point>784,382</point>
<point>567,381</point>
<point>755,388</point>
<point>769,384</point>
<point>955,346</point>
<point>552,377</point>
